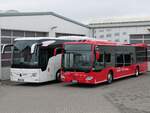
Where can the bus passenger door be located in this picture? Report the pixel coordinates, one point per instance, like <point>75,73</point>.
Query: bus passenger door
<point>119,64</point>
<point>98,66</point>
<point>57,60</point>
<point>128,67</point>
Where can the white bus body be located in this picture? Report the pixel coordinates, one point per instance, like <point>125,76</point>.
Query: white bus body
<point>37,75</point>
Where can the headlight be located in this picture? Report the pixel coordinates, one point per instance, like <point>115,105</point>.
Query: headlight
<point>34,74</point>
<point>89,78</point>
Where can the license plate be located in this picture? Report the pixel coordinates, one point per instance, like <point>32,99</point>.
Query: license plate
<point>74,81</point>
<point>21,80</point>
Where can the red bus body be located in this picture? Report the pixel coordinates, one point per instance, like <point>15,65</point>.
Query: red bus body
<point>95,77</point>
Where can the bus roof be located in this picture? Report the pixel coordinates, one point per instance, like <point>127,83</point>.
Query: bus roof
<point>105,42</point>
<point>96,42</point>
<point>34,38</point>
<point>82,40</point>
<point>139,45</point>
<point>55,38</point>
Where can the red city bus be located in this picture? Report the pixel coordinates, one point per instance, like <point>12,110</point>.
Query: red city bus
<point>93,61</point>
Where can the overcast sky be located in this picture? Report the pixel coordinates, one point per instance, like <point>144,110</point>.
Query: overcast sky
<point>81,10</point>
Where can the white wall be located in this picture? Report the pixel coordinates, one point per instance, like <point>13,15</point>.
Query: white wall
<point>122,37</point>
<point>42,23</point>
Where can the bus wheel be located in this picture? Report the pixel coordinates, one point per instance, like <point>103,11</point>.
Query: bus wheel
<point>58,76</point>
<point>137,72</point>
<point>109,78</point>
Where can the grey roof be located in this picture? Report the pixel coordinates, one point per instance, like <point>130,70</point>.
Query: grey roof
<point>41,13</point>
<point>112,20</point>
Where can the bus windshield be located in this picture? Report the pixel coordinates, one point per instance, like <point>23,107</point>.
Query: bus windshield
<point>77,58</point>
<point>22,56</point>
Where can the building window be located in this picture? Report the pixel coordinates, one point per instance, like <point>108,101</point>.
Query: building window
<point>6,32</point>
<point>125,41</point>
<point>29,34</point>
<point>124,33</point>
<point>117,40</point>
<point>108,35</point>
<point>18,33</point>
<point>136,37</point>
<point>5,40</point>
<point>136,41</point>
<point>41,34</point>
<point>101,30</point>
<point>147,36</point>
<point>117,34</point>
<point>108,30</point>
<point>101,36</point>
<point>147,41</point>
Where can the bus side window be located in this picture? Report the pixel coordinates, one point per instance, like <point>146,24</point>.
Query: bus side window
<point>127,58</point>
<point>119,60</point>
<point>101,59</point>
<point>99,64</point>
<point>107,57</point>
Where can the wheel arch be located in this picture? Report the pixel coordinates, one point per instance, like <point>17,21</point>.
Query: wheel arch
<point>111,71</point>
<point>138,67</point>
<point>59,70</point>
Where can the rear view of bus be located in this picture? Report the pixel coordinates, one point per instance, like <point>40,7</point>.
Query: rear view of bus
<point>93,61</point>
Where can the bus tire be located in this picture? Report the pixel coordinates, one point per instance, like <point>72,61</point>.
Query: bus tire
<point>58,76</point>
<point>137,72</point>
<point>109,78</point>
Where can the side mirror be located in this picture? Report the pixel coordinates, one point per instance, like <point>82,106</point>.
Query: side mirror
<point>97,55</point>
<point>5,46</point>
<point>33,47</point>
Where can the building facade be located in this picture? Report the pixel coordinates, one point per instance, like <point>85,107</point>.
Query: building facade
<point>39,24</point>
<point>130,30</point>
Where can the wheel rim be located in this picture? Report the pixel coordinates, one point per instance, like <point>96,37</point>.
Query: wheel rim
<point>58,76</point>
<point>109,78</point>
<point>137,72</point>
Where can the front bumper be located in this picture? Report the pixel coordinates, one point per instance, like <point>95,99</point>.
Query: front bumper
<point>77,77</point>
<point>25,75</point>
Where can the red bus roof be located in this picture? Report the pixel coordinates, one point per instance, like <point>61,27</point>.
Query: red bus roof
<point>102,42</point>
<point>96,42</point>
<point>140,45</point>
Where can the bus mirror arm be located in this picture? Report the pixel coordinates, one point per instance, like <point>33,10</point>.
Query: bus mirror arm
<point>34,46</point>
<point>5,46</point>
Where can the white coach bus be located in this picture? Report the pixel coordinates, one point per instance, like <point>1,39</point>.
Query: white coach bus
<point>37,60</point>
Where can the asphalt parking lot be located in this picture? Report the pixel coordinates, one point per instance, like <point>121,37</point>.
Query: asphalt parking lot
<point>128,95</point>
